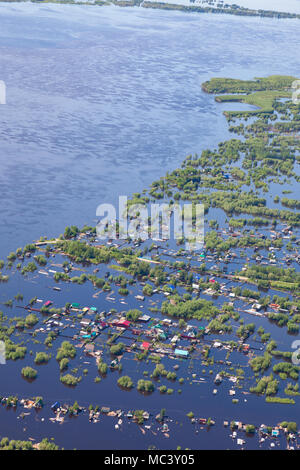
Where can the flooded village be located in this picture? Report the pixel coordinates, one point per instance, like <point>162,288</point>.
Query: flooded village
<point>146,340</point>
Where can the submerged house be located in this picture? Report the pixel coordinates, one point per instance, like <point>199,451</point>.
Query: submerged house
<point>123,324</point>
<point>105,409</point>
<point>181,352</point>
<point>218,379</point>
<point>75,305</point>
<point>85,322</point>
<point>144,318</point>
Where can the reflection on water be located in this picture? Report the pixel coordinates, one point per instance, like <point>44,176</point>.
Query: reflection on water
<point>101,101</point>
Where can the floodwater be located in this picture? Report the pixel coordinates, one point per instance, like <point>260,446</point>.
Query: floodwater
<point>78,432</point>
<point>100,102</point>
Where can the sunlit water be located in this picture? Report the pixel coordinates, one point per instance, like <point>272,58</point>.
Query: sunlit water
<point>103,100</point>
<point>100,102</point>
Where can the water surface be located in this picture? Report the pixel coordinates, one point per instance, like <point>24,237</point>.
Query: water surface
<point>103,100</point>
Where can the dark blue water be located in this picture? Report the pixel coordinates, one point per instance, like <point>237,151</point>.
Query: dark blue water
<point>100,102</point>
<point>103,100</point>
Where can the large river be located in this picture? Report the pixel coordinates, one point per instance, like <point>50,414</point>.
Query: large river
<point>103,100</point>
